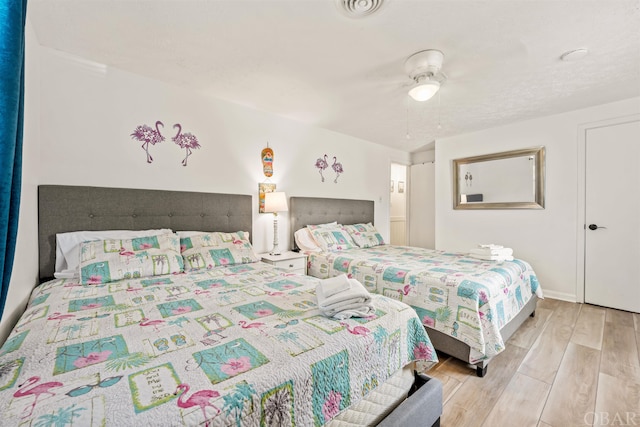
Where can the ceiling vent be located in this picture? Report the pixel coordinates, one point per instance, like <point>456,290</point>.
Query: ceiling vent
<point>358,8</point>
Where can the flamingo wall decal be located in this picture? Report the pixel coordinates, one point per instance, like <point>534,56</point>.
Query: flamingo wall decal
<point>322,164</point>
<point>337,168</point>
<point>148,135</point>
<point>188,141</point>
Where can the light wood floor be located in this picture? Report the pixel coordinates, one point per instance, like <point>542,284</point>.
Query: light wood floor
<point>570,365</point>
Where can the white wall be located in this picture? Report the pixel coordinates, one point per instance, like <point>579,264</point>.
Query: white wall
<point>79,119</point>
<point>88,113</point>
<point>546,238</point>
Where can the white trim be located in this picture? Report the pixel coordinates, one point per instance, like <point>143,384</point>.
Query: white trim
<point>581,205</point>
<point>563,296</point>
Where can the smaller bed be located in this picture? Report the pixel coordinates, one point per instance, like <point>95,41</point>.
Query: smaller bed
<point>470,307</point>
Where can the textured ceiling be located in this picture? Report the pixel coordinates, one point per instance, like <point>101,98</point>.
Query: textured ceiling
<point>304,60</point>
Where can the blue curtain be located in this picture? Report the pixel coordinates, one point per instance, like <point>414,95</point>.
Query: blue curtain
<point>12,20</point>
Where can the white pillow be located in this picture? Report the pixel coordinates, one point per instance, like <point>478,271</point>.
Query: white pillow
<point>68,247</point>
<point>305,241</point>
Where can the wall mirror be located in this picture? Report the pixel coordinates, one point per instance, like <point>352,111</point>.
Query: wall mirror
<point>507,180</point>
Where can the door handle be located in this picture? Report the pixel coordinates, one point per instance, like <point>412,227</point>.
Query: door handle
<point>595,227</point>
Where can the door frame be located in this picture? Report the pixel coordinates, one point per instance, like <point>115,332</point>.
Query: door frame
<point>582,188</point>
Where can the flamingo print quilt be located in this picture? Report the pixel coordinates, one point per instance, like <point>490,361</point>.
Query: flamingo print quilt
<point>466,298</point>
<point>240,345</point>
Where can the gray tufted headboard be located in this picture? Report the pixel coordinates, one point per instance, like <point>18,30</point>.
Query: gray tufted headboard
<point>72,208</point>
<point>304,211</point>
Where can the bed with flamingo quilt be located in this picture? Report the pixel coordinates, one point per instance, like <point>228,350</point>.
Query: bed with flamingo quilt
<point>463,297</point>
<point>238,344</point>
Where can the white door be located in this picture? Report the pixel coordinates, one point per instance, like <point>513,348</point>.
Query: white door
<point>422,213</point>
<point>612,212</point>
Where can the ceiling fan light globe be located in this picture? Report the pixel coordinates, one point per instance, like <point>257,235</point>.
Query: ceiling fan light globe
<point>424,91</point>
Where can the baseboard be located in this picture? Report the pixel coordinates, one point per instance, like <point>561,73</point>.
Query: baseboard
<point>563,296</point>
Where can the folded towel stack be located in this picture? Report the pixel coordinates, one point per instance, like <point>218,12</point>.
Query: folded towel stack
<point>341,297</point>
<point>492,252</point>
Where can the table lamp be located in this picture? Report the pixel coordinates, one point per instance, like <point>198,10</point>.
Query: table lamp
<point>273,203</point>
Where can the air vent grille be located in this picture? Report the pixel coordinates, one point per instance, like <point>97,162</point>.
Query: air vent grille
<point>359,8</point>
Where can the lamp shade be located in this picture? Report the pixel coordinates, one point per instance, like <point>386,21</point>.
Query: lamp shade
<point>275,202</point>
<point>424,90</point>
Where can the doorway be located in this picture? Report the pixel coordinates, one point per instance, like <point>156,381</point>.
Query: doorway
<point>610,235</point>
<point>398,204</point>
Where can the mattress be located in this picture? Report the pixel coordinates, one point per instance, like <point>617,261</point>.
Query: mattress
<point>376,405</point>
<point>236,345</point>
<point>462,297</point>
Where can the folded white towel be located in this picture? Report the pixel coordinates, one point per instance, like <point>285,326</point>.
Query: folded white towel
<point>345,306</point>
<point>356,293</point>
<point>490,251</point>
<point>355,300</point>
<point>492,257</point>
<point>360,311</point>
<point>491,246</point>
<point>333,285</point>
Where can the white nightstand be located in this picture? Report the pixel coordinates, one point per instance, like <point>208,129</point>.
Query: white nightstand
<point>296,262</point>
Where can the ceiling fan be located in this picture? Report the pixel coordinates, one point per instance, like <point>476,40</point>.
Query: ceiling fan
<point>424,68</point>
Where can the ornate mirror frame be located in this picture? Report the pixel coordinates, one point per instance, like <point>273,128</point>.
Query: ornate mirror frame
<point>537,154</point>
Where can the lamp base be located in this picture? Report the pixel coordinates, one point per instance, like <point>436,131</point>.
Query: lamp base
<point>276,248</point>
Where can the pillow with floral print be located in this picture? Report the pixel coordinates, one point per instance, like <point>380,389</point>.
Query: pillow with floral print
<point>103,261</point>
<point>208,250</point>
<point>332,238</point>
<point>365,235</point>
